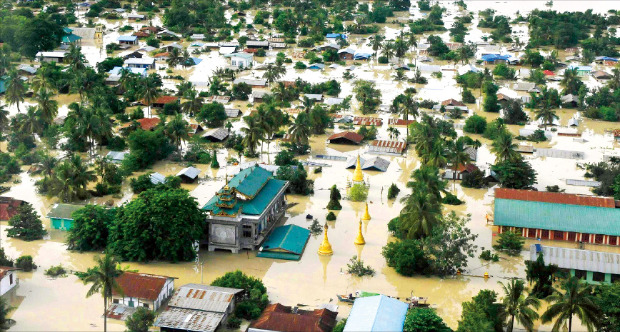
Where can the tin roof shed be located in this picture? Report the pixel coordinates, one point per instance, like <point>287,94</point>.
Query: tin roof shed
<point>285,242</point>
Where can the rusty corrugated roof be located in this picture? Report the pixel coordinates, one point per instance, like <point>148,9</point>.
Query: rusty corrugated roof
<point>141,285</point>
<point>8,207</point>
<point>349,135</point>
<point>558,198</point>
<point>5,269</point>
<point>277,317</point>
<point>203,297</point>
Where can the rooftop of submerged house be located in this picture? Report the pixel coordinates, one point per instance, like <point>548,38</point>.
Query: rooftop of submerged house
<point>249,192</point>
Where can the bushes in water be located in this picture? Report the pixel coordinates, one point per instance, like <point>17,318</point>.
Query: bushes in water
<point>393,191</point>
<point>358,192</point>
<point>511,242</point>
<point>487,255</point>
<point>56,271</point>
<point>334,199</point>
<point>357,267</point>
<point>330,216</point>
<point>451,199</point>
<point>25,263</point>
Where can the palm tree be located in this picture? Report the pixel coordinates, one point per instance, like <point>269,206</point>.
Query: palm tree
<point>519,306</point>
<point>376,43</point>
<point>40,81</point>
<point>546,114</point>
<point>103,279</point>
<point>405,104</point>
<point>47,106</point>
<point>394,133</point>
<point>300,129</point>
<point>388,49</point>
<point>253,134</point>
<point>457,154</point>
<point>15,89</point>
<point>420,214</point>
<point>427,178</point>
<point>30,122</point>
<point>185,59</point>
<point>150,90</point>
<point>400,48</point>
<point>438,156</point>
<point>177,130</point>
<point>75,58</point>
<point>576,300</point>
<point>273,73</point>
<point>193,103</point>
<point>174,58</point>
<point>4,117</point>
<point>504,148</point>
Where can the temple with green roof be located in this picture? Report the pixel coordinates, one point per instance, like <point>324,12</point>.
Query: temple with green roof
<point>243,213</point>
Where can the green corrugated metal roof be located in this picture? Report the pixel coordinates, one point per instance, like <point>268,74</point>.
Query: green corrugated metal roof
<point>63,211</point>
<point>279,255</point>
<point>254,206</point>
<point>250,180</point>
<point>561,217</point>
<point>70,38</point>
<point>290,239</point>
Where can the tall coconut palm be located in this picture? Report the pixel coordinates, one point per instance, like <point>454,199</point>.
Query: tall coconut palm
<point>504,148</point>
<point>15,89</point>
<point>420,214</point>
<point>40,80</point>
<point>575,300</point>
<point>393,132</point>
<point>457,154</point>
<point>518,305</point>
<point>177,130</point>
<point>75,58</point>
<point>405,104</point>
<point>103,279</point>
<point>4,118</point>
<point>427,178</point>
<point>174,58</point>
<point>82,175</point>
<point>400,48</point>
<point>546,114</point>
<point>300,129</point>
<point>423,137</point>
<point>193,103</point>
<point>438,155</point>
<point>273,73</point>
<point>253,134</point>
<point>47,106</point>
<point>388,49</point>
<point>103,126</point>
<point>31,121</point>
<point>185,59</point>
<point>376,43</point>
<point>150,90</point>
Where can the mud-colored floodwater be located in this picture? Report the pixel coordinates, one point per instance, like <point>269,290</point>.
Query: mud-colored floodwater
<point>314,279</point>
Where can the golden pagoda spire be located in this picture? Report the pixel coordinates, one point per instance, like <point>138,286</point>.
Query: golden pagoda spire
<point>366,216</point>
<point>360,238</point>
<point>325,248</point>
<point>357,174</point>
<point>226,186</point>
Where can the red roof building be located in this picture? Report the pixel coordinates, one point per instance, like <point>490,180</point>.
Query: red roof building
<point>367,121</point>
<point>277,317</point>
<point>142,290</point>
<point>452,102</point>
<point>141,34</point>
<point>147,124</point>
<point>400,122</point>
<point>548,73</point>
<point>8,207</point>
<point>163,100</point>
<point>559,198</point>
<point>345,137</point>
<point>383,146</point>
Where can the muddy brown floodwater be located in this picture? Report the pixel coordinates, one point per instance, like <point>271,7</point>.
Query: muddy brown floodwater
<point>44,303</point>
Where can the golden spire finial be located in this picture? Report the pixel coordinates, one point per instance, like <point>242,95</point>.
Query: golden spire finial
<point>226,186</point>
<point>325,248</point>
<point>358,176</point>
<point>366,216</point>
<point>360,237</point>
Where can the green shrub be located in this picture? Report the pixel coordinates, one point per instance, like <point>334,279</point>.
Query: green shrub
<point>356,267</point>
<point>56,271</point>
<point>331,216</point>
<point>358,192</point>
<point>383,59</point>
<point>474,179</point>
<point>487,255</point>
<point>468,97</point>
<point>25,263</point>
<point>233,322</point>
<point>406,257</point>
<point>451,199</point>
<point>393,191</point>
<point>475,124</point>
<point>511,242</point>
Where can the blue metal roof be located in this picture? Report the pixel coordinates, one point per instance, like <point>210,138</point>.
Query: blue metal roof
<point>494,57</point>
<point>361,56</point>
<point>127,38</point>
<point>335,35</point>
<point>376,313</point>
<point>555,216</point>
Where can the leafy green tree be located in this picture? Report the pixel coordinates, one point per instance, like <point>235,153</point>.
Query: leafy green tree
<point>576,300</point>
<point>367,95</point>
<point>173,218</point>
<point>407,257</point>
<point>513,113</point>
<point>241,91</point>
<point>490,97</point>
<point>103,279</point>
<point>26,224</point>
<point>254,296</point>
<point>140,321</point>
<point>213,115</point>
<point>146,147</point>
<point>518,305</point>
<point>5,309</point>
<point>541,275</point>
<point>451,244</point>
<point>25,263</point>
<point>482,313</point>
<point>424,320</point>
<point>607,297</point>
<point>475,124</point>
<point>297,177</point>
<point>517,174</point>
<point>511,242</point>
<point>334,199</point>
<point>90,229</point>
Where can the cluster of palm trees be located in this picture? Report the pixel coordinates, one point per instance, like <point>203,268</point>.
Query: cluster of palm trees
<point>575,299</point>
<point>398,48</point>
<point>261,127</point>
<point>68,179</point>
<point>274,72</point>
<point>178,57</point>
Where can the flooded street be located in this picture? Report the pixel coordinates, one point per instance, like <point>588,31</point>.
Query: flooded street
<point>313,280</point>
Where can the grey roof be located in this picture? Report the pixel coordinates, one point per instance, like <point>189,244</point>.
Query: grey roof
<point>203,297</point>
<point>157,178</point>
<point>316,66</point>
<point>523,86</point>
<point>314,96</point>
<point>247,56</point>
<point>189,320</point>
<point>28,68</point>
<point>140,61</point>
<point>374,163</point>
<point>251,43</point>
<point>347,50</point>
<point>569,98</point>
<point>197,36</point>
<point>175,45</point>
<point>232,112</point>
<point>63,211</point>
<point>116,155</point>
<point>251,81</point>
<point>219,134</point>
<point>333,101</point>
<point>587,260</point>
<point>190,172</point>
<point>258,94</point>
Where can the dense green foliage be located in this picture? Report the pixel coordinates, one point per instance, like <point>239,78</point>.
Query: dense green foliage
<point>26,224</point>
<point>140,321</point>
<point>253,300</point>
<point>424,320</point>
<point>511,242</point>
<point>90,228</point>
<point>482,313</point>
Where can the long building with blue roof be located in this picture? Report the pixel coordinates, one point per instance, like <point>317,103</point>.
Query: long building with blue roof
<point>558,216</point>
<point>376,313</point>
<point>243,213</point>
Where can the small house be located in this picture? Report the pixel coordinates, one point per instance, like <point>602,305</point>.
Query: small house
<point>232,112</point>
<point>8,279</point>
<point>194,129</point>
<point>116,157</point>
<point>387,147</point>
<point>400,122</point>
<point>135,17</point>
<point>277,317</point>
<point>346,54</point>
<point>143,290</point>
<point>376,314</point>
<point>346,137</point>
<point>285,242</point>
<point>494,58</point>
<point>241,60</point>
<point>9,207</point>
<point>61,216</point>
<point>141,34</point>
<point>452,174</point>
<point>27,69</point>
<point>581,70</point>
<point>333,37</point>
<point>146,124</point>
<point>601,75</point>
<point>314,96</point>
<point>144,62</point>
<point>167,34</point>
<point>369,164</point>
<point>616,134</point>
<point>569,101</point>
<point>195,307</point>
<point>367,121</point>
<point>54,56</point>
<point>216,135</point>
<point>316,66</point>
<point>157,178</point>
<point>170,47</point>
<point>605,60</point>
<point>264,44</point>
<point>325,47</point>
<point>361,56</point>
<point>163,100</point>
<point>128,40</point>
<point>189,174</point>
<point>257,96</point>
<point>523,86</point>
<point>197,36</point>
<point>253,82</point>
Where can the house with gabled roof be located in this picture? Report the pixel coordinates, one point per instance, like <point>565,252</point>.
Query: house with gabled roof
<point>144,290</point>
<point>8,279</point>
<point>244,212</point>
<point>278,317</point>
<point>9,207</point>
<point>285,242</point>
